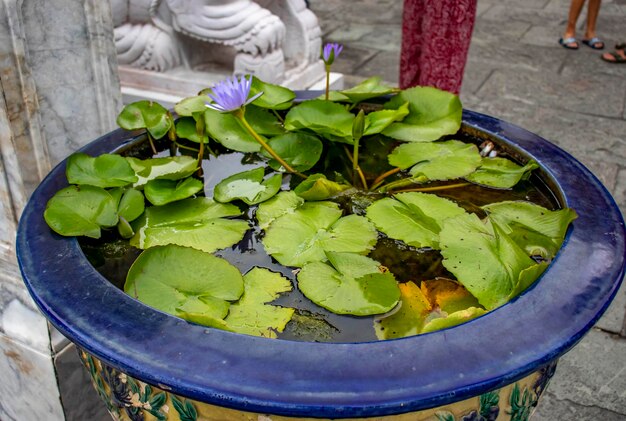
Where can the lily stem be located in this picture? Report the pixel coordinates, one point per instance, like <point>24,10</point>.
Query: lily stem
<point>278,116</point>
<point>379,180</point>
<point>178,145</point>
<point>435,188</point>
<point>327,81</point>
<point>154,151</point>
<point>240,115</point>
<point>356,170</point>
<point>200,156</point>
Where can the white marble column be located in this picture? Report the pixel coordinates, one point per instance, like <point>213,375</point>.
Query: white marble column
<point>60,89</point>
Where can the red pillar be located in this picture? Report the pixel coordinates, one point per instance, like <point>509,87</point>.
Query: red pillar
<point>435,40</point>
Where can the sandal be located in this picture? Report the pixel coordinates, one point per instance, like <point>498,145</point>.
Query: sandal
<point>595,43</point>
<point>613,57</point>
<point>570,43</point>
<point>621,46</point>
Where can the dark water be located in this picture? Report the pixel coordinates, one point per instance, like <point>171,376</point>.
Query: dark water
<point>113,257</point>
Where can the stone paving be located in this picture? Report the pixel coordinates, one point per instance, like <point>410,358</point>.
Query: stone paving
<point>516,71</point>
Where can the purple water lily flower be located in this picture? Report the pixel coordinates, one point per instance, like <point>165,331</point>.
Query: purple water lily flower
<point>232,94</point>
<point>330,52</point>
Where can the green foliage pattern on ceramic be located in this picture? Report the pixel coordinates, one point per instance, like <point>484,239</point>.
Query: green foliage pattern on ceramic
<point>129,399</point>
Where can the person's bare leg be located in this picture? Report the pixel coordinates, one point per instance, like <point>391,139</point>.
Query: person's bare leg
<point>592,18</point>
<point>574,12</point>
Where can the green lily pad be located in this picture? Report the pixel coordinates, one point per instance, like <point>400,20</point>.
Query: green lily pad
<point>500,173</point>
<point>184,282</point>
<point>349,284</point>
<point>251,314</point>
<point>410,316</point>
<point>131,205</point>
<point>198,223</point>
<point>325,118</point>
<point>436,160</point>
<point>146,115</point>
<point>378,121</point>
<point>370,88</point>
<point>433,113</point>
<point>300,150</point>
<point>536,229</point>
<point>484,259</point>
<point>170,168</point>
<point>186,128</point>
<point>453,319</point>
<point>263,122</point>
<point>283,203</point>
<point>248,186</point>
<point>106,170</point>
<point>188,106</point>
<point>230,132</point>
<point>307,233</point>
<point>415,218</point>
<point>274,97</point>
<point>81,210</point>
<point>162,192</point>
<point>318,187</point>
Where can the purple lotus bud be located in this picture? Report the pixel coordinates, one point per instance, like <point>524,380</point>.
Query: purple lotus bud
<point>330,52</point>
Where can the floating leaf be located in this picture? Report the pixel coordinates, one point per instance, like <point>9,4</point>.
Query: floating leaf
<point>369,88</point>
<point>415,218</point>
<point>305,234</point>
<point>318,187</point>
<point>248,186</point>
<point>188,106</point>
<point>447,295</point>
<point>170,168</point>
<point>131,205</point>
<point>251,314</point>
<point>436,160</point>
<point>184,282</point>
<point>312,327</point>
<point>501,173</point>
<point>228,130</point>
<point>279,205</point>
<point>433,113</point>
<point>146,115</point>
<point>409,318</point>
<point>378,121</point>
<point>325,118</point>
<point>197,223</point>
<point>186,128</point>
<point>274,97</point>
<point>349,284</point>
<point>536,229</point>
<point>81,210</point>
<point>300,150</point>
<point>162,192</point>
<point>334,96</point>
<point>483,258</point>
<point>436,299</point>
<point>453,319</point>
<point>264,122</point>
<point>106,170</point>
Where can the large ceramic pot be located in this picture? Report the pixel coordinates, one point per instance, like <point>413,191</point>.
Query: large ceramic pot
<point>147,364</point>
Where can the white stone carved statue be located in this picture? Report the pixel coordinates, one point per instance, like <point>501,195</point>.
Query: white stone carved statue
<point>269,38</point>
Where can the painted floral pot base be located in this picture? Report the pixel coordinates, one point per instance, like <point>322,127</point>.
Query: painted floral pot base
<point>129,399</point>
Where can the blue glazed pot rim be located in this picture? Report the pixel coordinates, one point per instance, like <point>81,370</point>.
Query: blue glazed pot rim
<point>338,380</point>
